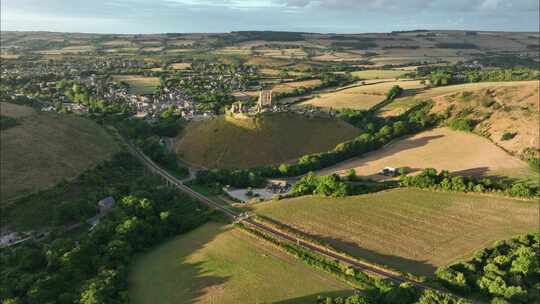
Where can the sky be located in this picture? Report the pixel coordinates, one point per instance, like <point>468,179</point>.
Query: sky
<point>323,16</point>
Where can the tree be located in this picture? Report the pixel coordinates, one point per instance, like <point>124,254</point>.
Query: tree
<point>351,175</point>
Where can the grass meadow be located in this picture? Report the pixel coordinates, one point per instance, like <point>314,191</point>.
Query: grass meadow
<point>378,74</point>
<point>219,264</point>
<point>407,229</point>
<point>46,148</point>
<point>360,97</point>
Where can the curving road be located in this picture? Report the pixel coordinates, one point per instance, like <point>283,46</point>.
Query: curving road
<point>234,216</point>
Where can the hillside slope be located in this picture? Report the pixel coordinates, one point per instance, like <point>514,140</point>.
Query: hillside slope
<point>232,143</point>
<point>496,108</point>
<point>461,153</point>
<point>43,149</point>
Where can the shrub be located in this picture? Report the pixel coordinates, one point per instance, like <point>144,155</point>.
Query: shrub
<point>508,136</point>
<point>462,124</point>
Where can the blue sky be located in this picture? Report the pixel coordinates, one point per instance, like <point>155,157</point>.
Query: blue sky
<point>328,16</point>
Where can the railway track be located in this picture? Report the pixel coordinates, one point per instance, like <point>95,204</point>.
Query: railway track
<point>234,216</point>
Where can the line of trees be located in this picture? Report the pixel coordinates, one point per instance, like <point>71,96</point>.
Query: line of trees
<point>431,179</point>
<point>93,269</point>
<point>509,272</point>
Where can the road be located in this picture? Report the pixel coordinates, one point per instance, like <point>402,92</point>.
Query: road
<point>234,216</point>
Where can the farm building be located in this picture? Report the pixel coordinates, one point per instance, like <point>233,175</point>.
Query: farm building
<point>105,205</point>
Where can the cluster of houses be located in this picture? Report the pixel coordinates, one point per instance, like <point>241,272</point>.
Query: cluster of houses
<point>266,104</point>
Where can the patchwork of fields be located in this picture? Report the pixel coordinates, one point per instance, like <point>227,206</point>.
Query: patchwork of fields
<point>407,229</point>
<point>361,97</point>
<point>219,264</point>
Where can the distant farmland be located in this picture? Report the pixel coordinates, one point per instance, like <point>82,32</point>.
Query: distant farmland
<point>378,74</point>
<point>407,229</point>
<point>219,264</point>
<point>139,84</point>
<point>225,142</point>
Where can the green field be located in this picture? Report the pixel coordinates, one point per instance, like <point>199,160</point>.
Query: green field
<point>407,229</point>
<point>46,148</point>
<point>219,264</point>
<point>138,84</point>
<point>226,142</point>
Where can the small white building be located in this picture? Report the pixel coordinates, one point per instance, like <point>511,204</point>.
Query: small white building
<point>388,171</point>
<point>105,205</point>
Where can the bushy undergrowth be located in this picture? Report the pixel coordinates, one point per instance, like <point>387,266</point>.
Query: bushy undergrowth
<point>509,272</point>
<point>431,179</point>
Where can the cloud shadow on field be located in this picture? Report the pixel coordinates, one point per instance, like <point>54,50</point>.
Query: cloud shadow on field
<point>160,276</point>
<point>479,171</point>
<point>417,267</point>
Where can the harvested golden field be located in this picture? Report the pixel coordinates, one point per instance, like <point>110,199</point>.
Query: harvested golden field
<point>69,50</point>
<point>289,86</point>
<point>265,61</point>
<point>407,229</point>
<point>443,149</point>
<point>138,84</point>
<point>338,56</point>
<point>46,148</point>
<point>220,264</point>
<point>360,97</point>
<point>117,42</point>
<point>378,74</point>
<point>226,142</point>
<point>498,107</point>
<point>181,65</point>
<point>283,53</point>
<point>152,49</point>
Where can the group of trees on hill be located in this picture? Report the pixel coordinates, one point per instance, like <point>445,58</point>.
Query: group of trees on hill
<point>75,201</point>
<point>93,269</point>
<point>431,179</point>
<point>509,272</point>
<point>442,77</point>
<point>148,138</point>
<point>330,185</point>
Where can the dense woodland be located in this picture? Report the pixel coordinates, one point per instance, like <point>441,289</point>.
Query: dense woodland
<point>93,267</point>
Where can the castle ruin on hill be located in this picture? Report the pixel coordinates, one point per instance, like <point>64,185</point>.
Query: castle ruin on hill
<point>265,100</point>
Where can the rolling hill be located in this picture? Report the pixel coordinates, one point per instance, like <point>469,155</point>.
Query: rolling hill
<point>495,107</point>
<point>226,142</point>
<point>43,149</point>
